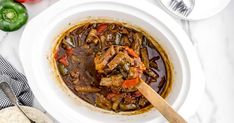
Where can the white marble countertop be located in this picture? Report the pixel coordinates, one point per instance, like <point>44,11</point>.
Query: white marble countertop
<point>214,41</point>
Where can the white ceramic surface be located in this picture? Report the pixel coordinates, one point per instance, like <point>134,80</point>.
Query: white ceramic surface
<point>168,33</point>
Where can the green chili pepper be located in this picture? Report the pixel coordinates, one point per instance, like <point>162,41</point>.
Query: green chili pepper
<point>13,15</point>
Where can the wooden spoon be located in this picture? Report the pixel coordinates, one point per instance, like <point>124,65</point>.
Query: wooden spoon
<point>159,103</point>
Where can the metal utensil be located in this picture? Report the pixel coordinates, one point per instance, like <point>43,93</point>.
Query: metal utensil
<point>184,7</point>
<point>10,94</point>
<point>178,8</point>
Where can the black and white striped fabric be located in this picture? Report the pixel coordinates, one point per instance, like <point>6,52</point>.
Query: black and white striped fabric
<point>18,83</point>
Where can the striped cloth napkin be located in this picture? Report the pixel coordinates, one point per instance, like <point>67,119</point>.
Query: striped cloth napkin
<point>17,82</point>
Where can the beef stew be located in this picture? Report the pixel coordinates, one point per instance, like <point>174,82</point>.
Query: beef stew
<point>102,62</point>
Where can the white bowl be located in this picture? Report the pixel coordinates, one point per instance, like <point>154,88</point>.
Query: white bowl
<point>40,35</point>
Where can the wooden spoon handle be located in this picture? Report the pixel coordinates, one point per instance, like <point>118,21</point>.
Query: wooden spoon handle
<point>159,103</point>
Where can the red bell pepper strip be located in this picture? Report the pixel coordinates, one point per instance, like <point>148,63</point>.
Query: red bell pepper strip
<point>131,52</point>
<point>130,83</point>
<point>56,56</point>
<point>101,28</point>
<point>25,1</point>
<point>64,60</point>
<point>69,51</point>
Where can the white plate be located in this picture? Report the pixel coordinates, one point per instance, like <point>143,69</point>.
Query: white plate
<point>203,8</point>
<point>52,98</point>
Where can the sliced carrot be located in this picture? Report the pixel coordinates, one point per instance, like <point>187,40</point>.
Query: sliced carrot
<point>130,83</point>
<point>64,60</point>
<point>101,28</point>
<point>131,52</point>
